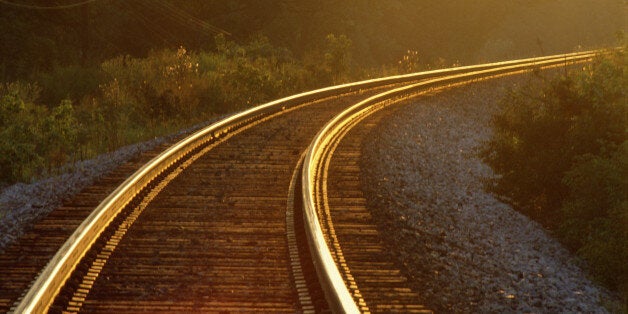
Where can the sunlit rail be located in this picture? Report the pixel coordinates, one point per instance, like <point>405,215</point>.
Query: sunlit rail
<point>48,284</point>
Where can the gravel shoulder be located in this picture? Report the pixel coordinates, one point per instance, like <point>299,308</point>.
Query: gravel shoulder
<point>22,205</point>
<point>464,250</point>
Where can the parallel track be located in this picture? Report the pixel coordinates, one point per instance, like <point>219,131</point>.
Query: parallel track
<point>203,226</point>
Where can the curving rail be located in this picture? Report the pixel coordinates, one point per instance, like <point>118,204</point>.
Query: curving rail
<point>47,285</point>
<point>339,296</point>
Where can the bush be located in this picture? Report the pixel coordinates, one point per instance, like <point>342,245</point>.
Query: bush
<point>128,99</point>
<point>596,215</point>
<point>19,135</point>
<point>163,87</point>
<point>60,130</point>
<point>528,151</point>
<point>338,57</point>
<point>68,82</point>
<point>33,138</point>
<point>561,154</point>
<point>541,130</point>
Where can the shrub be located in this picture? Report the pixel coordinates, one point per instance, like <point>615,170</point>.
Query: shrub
<point>19,135</point>
<point>128,99</point>
<point>163,86</point>
<point>528,152</point>
<point>541,130</point>
<point>596,215</point>
<point>338,57</point>
<point>33,138</point>
<point>560,151</point>
<point>60,131</point>
<point>68,82</point>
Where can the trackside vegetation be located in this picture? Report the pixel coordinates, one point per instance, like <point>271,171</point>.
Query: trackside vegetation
<point>560,150</point>
<point>109,73</point>
<point>125,99</point>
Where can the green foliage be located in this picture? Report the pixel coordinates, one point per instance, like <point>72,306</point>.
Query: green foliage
<point>33,138</point>
<point>68,82</point>
<point>129,99</point>
<point>19,135</point>
<point>528,152</point>
<point>338,57</point>
<point>596,214</point>
<point>60,131</point>
<point>560,152</point>
<point>248,74</point>
<point>184,87</point>
<point>163,86</point>
<point>542,129</point>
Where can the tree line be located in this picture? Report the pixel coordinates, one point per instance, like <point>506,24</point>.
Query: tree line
<point>34,41</point>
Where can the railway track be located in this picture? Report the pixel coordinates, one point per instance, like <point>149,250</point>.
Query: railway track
<point>21,262</point>
<point>208,224</point>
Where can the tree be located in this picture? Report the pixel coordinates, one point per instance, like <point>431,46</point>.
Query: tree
<point>20,134</point>
<point>338,56</point>
<point>60,132</point>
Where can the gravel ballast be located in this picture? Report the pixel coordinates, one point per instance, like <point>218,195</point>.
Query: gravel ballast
<point>464,250</point>
<point>21,205</point>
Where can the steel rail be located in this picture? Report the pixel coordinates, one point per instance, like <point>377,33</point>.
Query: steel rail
<point>336,291</point>
<point>47,285</point>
